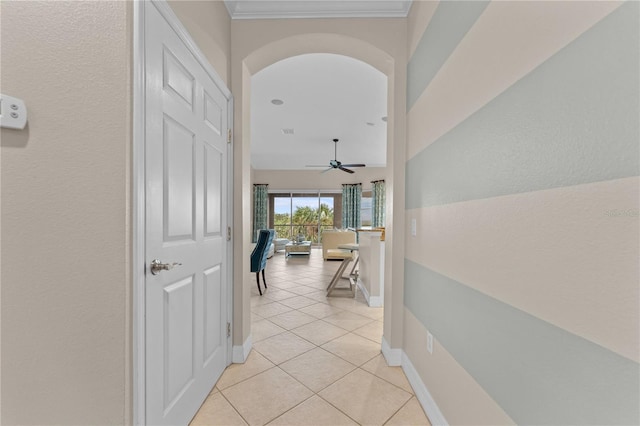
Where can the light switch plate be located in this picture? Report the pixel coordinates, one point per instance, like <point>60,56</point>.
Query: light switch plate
<point>414,228</point>
<point>13,113</point>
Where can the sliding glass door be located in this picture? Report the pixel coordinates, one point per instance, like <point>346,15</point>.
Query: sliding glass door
<point>302,213</point>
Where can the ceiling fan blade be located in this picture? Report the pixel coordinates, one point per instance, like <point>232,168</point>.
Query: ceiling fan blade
<point>346,170</point>
<point>325,171</point>
<point>355,165</point>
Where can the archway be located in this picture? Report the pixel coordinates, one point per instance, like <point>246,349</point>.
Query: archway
<point>254,54</point>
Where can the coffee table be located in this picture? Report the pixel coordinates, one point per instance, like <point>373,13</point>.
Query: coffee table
<point>298,248</point>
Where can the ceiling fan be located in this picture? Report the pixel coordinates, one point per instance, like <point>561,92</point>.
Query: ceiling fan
<point>335,164</point>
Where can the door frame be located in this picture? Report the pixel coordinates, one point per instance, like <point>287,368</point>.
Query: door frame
<point>138,199</point>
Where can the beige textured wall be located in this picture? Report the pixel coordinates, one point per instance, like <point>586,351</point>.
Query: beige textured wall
<point>65,214</point>
<point>209,24</point>
<point>259,43</point>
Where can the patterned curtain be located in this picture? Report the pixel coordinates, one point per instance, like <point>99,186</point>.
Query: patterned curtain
<point>351,199</point>
<point>260,209</point>
<point>378,199</point>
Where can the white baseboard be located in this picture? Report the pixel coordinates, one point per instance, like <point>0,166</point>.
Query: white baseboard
<point>364,291</point>
<point>392,356</point>
<point>240,353</point>
<point>376,302</point>
<point>422,393</point>
<point>372,301</point>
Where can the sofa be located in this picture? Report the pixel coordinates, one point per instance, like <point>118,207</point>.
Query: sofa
<point>331,239</point>
<point>280,243</point>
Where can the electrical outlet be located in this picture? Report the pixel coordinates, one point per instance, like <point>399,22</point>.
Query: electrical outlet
<point>429,342</point>
<point>13,113</point>
<point>414,228</point>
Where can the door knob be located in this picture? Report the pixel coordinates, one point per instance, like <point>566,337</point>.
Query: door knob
<point>157,266</point>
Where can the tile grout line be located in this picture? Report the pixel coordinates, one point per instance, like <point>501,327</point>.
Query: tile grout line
<point>412,393</point>
<point>318,392</point>
<point>234,408</point>
<point>250,377</point>
<point>337,408</point>
<point>398,410</point>
<point>314,282</point>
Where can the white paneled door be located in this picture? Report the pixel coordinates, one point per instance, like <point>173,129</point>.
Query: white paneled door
<point>186,226</point>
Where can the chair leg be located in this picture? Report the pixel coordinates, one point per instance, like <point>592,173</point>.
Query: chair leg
<point>258,280</point>
<point>264,281</point>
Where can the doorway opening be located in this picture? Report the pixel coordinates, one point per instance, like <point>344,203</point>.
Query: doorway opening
<point>312,99</point>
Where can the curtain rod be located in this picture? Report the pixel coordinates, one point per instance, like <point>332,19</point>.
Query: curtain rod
<point>359,183</point>
<point>258,184</point>
<point>376,181</point>
<point>305,191</point>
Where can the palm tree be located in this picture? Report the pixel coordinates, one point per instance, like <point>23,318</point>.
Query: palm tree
<point>305,220</point>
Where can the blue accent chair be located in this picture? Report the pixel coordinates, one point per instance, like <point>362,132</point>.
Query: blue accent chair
<point>259,255</point>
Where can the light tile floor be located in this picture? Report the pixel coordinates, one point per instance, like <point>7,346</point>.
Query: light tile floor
<point>315,360</point>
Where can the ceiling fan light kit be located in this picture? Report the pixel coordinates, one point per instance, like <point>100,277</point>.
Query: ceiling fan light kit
<point>335,164</point>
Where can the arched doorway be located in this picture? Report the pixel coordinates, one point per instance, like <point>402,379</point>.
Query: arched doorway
<point>252,55</point>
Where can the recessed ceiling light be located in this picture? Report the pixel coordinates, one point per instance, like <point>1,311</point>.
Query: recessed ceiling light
<point>277,101</point>
<point>384,118</point>
<point>370,123</point>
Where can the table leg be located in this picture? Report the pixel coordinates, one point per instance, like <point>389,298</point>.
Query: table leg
<point>338,276</point>
<point>354,266</point>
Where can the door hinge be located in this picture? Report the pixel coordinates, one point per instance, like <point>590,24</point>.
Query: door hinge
<point>228,233</point>
<point>229,136</point>
<point>228,329</point>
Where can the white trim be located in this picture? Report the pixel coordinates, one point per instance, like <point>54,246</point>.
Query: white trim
<point>138,212</point>
<point>422,393</point>
<point>230,244</point>
<point>372,301</point>
<point>392,356</point>
<point>376,302</point>
<point>304,191</point>
<point>363,289</point>
<point>318,9</point>
<point>230,8</point>
<point>138,192</point>
<point>240,353</point>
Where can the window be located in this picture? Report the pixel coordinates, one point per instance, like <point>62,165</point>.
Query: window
<point>365,209</point>
<point>302,213</point>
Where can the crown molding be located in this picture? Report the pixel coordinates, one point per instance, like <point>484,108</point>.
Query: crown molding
<point>300,9</point>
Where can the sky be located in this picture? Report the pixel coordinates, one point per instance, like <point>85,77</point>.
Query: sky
<point>283,204</point>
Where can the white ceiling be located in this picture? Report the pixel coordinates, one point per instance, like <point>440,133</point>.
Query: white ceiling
<point>272,9</point>
<point>325,96</point>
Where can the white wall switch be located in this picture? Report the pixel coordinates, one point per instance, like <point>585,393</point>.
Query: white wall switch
<point>13,112</point>
<point>414,228</point>
<point>429,342</point>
